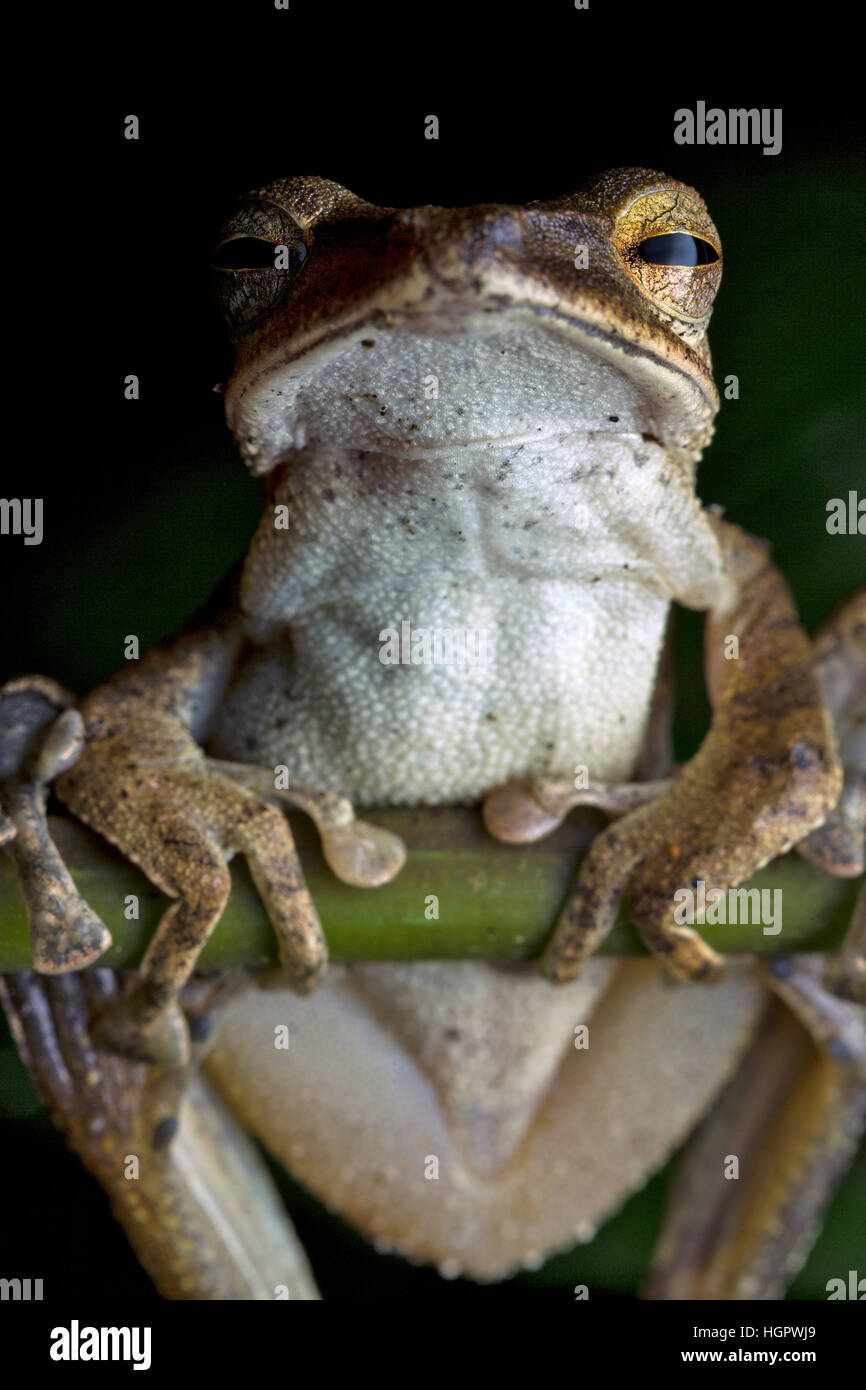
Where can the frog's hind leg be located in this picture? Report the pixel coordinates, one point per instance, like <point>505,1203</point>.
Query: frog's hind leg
<point>189,1189</point>
<point>752,1187</point>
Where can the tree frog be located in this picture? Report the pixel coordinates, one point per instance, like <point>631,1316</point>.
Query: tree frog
<point>478,429</point>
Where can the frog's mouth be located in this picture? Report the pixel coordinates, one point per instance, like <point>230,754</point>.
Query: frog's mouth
<point>453,377</point>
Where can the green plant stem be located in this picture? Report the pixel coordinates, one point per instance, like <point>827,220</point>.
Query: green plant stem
<point>492,900</point>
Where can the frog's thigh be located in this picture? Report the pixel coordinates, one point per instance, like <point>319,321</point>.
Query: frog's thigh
<point>444,1109</point>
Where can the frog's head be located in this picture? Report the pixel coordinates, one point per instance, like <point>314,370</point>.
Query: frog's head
<point>425,328</point>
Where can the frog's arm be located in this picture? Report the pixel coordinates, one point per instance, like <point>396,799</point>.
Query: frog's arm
<point>766,775</point>
<point>144,782</point>
<point>189,1189</point>
<point>796,1110</point>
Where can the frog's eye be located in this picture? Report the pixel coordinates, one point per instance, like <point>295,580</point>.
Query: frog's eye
<point>677,248</point>
<point>255,253</point>
<point>672,253</point>
<point>258,255</point>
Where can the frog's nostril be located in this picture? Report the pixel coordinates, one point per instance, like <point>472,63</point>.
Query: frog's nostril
<point>504,230</point>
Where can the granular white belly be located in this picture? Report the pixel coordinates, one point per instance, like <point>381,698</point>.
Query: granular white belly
<point>531,676</point>
<point>555,562</point>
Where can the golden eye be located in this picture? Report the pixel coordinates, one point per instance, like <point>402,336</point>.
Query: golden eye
<point>672,253</point>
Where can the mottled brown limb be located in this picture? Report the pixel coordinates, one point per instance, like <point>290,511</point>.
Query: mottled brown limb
<point>41,736</point>
<point>359,853</point>
<point>144,782</point>
<point>791,1119</point>
<point>193,1196</point>
<point>839,845</point>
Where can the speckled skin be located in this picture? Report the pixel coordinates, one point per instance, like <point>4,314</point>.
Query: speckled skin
<point>483,418</point>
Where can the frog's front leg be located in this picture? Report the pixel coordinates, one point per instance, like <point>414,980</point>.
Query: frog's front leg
<point>40,735</point>
<point>765,776</point>
<point>144,782</point>
<point>186,1184</point>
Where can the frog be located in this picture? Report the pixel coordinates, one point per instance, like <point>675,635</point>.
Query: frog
<point>486,421</point>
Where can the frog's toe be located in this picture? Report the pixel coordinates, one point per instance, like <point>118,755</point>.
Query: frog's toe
<point>162,1040</point>
<point>362,854</point>
<point>65,933</point>
<point>624,864</point>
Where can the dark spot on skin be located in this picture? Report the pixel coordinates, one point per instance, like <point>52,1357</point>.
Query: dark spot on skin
<point>548,746</point>
<point>452,1035</point>
<point>368,342</point>
<point>493,718</point>
<point>328,494</point>
<point>781,966</point>
<point>838,1050</point>
<point>164,1132</point>
<point>200,1028</point>
<point>641,459</point>
<point>614,419</point>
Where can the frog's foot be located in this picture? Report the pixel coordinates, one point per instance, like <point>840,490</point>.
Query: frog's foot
<point>839,845</point>
<point>791,1119</point>
<point>147,787</point>
<point>189,1189</point>
<point>359,853</point>
<point>529,808</point>
<point>622,863</point>
<point>40,737</point>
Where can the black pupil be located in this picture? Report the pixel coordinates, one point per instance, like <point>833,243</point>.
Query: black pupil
<point>677,248</point>
<point>251,253</point>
